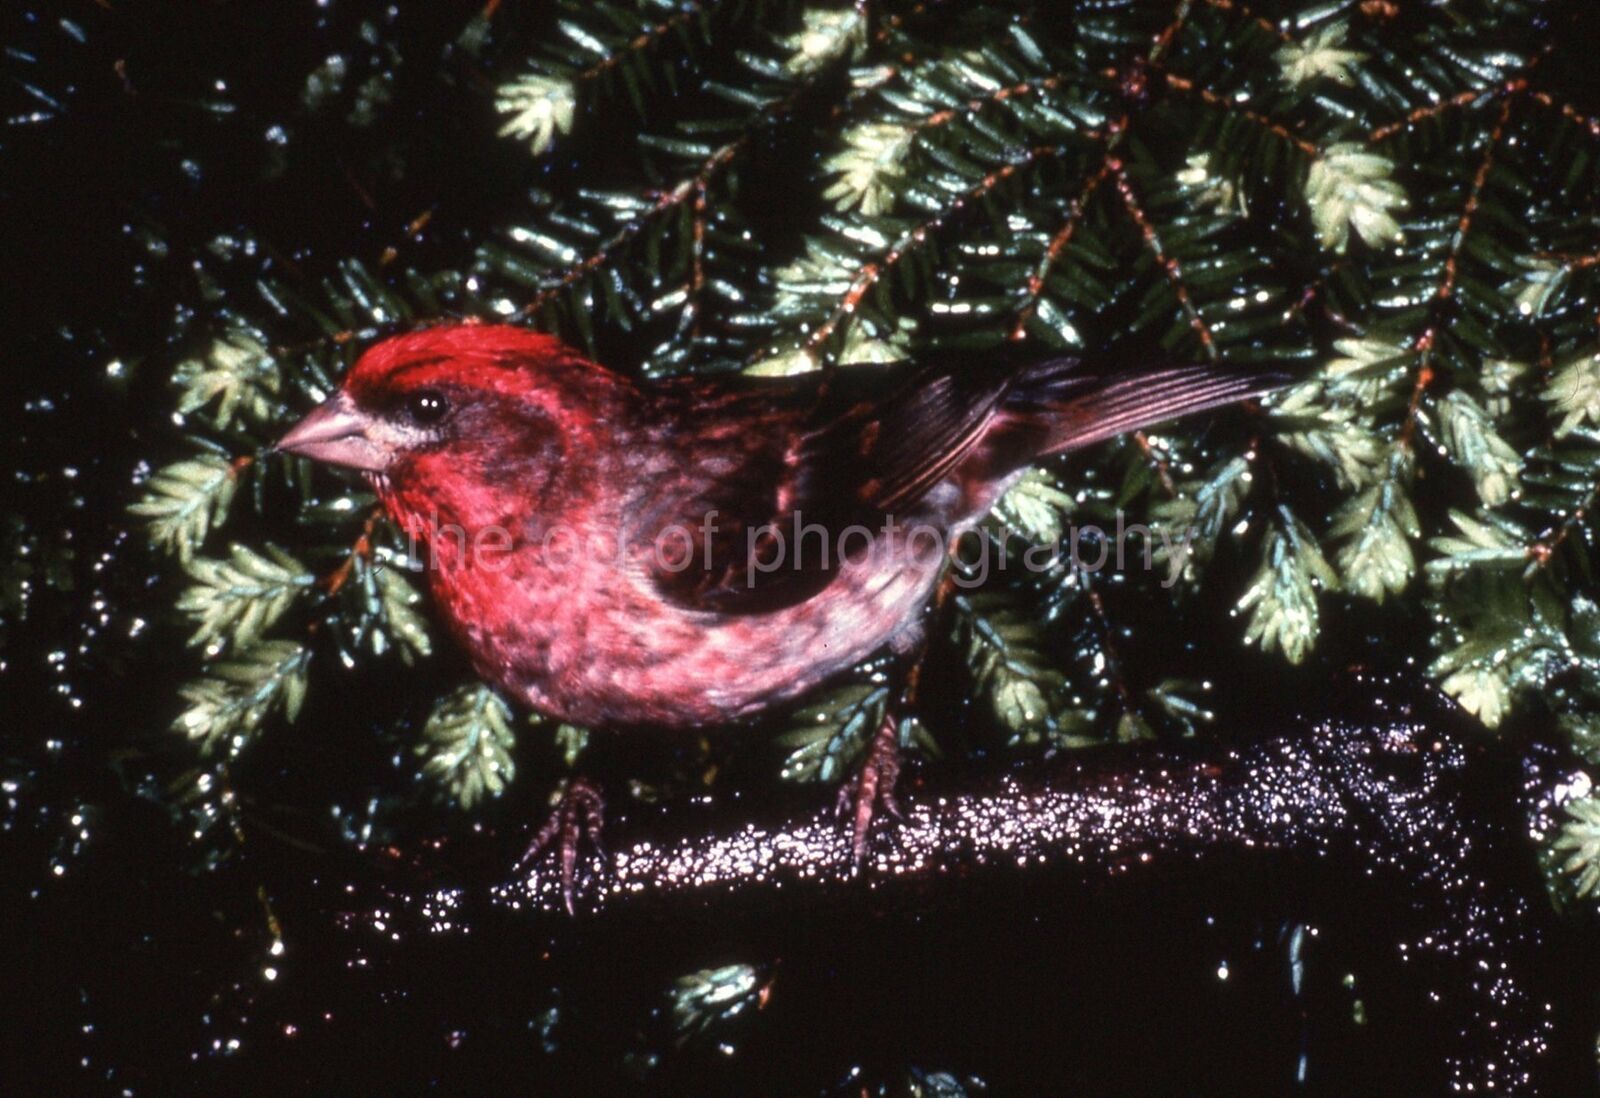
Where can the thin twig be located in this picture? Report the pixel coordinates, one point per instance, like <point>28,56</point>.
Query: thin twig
<point>1052,252</point>
<point>1211,98</point>
<point>1445,292</point>
<point>643,41</point>
<point>868,275</point>
<point>1167,263</point>
<point>359,551</point>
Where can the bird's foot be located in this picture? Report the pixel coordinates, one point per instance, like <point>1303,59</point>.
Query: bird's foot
<point>873,785</point>
<point>579,812</point>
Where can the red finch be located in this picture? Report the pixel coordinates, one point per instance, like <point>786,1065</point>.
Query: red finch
<point>691,551</point>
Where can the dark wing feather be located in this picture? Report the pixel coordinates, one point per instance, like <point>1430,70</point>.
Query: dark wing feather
<point>1071,409</point>
<point>924,431</point>
<point>868,442</point>
<point>780,452</point>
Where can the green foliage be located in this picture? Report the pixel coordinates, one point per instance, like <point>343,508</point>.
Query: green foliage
<point>467,744</point>
<point>571,740</point>
<point>1350,188</point>
<point>1503,634</point>
<point>704,999</point>
<point>1002,644</point>
<point>1283,598</point>
<point>1205,506</point>
<point>940,1084</point>
<point>1178,700</point>
<point>229,705</point>
<point>1575,391</point>
<point>1378,526</point>
<point>1035,506</point>
<point>1579,845</point>
<point>391,613</point>
<point>1469,435</point>
<point>238,599</point>
<point>831,733</point>
<point>1584,731</point>
<point>235,377</point>
<point>1330,430</point>
<point>184,500</point>
<point>599,52</point>
<point>1320,55</point>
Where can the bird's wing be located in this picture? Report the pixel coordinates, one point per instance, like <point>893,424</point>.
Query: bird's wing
<point>765,459</point>
<point>761,460</point>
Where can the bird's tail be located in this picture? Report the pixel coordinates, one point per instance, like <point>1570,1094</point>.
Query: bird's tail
<point>1067,409</point>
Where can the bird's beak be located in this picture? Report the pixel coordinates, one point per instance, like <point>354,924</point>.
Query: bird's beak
<point>337,432</point>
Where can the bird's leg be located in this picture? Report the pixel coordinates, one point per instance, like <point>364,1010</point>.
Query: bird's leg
<point>580,811</point>
<point>873,785</point>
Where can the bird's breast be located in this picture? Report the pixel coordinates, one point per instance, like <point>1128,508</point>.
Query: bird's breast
<point>586,636</point>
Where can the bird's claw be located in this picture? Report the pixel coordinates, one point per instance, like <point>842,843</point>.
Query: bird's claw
<point>873,785</point>
<point>579,812</point>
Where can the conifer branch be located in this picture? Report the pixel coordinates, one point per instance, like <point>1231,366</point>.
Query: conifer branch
<point>1038,86</point>
<point>1234,8</point>
<point>1442,298</point>
<point>1568,260</point>
<point>1589,122</point>
<point>1542,551</point>
<point>1113,661</point>
<point>868,274</point>
<point>360,549</point>
<point>953,172</point>
<point>1169,265</point>
<point>1221,102</point>
<point>1469,97</point>
<point>644,40</point>
<point>692,189</point>
<point>1052,253</point>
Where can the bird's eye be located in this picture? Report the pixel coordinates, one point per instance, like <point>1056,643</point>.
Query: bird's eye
<point>427,406</point>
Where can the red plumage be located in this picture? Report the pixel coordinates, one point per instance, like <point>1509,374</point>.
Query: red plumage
<point>548,491</point>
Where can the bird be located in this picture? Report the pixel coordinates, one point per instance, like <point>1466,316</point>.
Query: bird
<point>622,552</point>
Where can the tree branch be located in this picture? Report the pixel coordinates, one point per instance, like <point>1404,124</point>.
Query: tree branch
<point>1395,791</point>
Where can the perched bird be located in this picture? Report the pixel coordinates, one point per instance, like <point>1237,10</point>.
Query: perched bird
<point>693,550</point>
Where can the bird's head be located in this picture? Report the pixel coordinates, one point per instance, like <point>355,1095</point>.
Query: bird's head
<point>475,425</point>
<point>448,393</point>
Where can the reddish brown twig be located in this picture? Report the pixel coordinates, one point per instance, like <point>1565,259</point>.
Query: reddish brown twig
<point>868,275</point>
<point>1167,263</point>
<point>1444,294</point>
<point>1211,98</point>
<point>359,550</point>
<point>1052,252</point>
